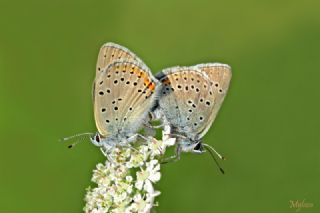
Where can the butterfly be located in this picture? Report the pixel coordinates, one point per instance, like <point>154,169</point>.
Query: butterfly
<point>124,91</point>
<point>190,99</point>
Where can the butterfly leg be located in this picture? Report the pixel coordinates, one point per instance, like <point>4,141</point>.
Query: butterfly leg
<point>153,116</point>
<point>147,124</point>
<point>130,147</point>
<point>105,152</point>
<point>135,138</point>
<point>149,130</point>
<point>176,136</point>
<point>173,158</point>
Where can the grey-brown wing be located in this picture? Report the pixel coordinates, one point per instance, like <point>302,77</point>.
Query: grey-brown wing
<point>220,76</point>
<point>124,93</point>
<point>186,99</point>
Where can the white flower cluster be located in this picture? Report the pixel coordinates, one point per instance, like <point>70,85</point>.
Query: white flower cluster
<point>126,183</point>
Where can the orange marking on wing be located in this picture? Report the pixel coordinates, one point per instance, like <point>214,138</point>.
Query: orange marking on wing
<point>151,86</point>
<point>132,69</point>
<point>142,74</point>
<point>137,71</point>
<point>166,81</point>
<point>146,81</point>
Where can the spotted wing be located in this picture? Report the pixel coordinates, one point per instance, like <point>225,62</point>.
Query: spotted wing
<point>186,99</point>
<point>220,76</point>
<point>123,94</point>
<point>111,52</point>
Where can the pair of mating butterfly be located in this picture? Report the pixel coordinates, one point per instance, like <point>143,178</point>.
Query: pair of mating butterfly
<point>125,93</point>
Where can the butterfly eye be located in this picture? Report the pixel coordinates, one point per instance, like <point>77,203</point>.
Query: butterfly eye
<point>198,147</point>
<point>98,138</point>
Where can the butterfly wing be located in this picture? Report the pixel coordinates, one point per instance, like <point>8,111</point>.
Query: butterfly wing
<point>111,52</point>
<point>220,76</point>
<point>123,95</point>
<point>186,99</point>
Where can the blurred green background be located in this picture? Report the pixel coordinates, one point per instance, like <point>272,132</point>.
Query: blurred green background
<point>268,127</point>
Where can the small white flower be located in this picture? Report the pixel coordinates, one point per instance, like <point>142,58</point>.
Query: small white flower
<point>101,175</point>
<point>153,167</point>
<point>123,186</point>
<point>148,187</point>
<point>96,199</point>
<point>118,198</point>
<point>138,157</point>
<point>151,174</point>
<point>139,205</point>
<point>129,178</point>
<point>142,176</point>
<point>169,142</point>
<point>158,147</point>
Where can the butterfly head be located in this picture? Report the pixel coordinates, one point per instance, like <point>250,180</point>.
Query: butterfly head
<point>198,148</point>
<point>195,147</point>
<point>96,139</point>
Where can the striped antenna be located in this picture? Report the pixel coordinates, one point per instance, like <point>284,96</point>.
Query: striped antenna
<point>212,151</point>
<point>78,137</point>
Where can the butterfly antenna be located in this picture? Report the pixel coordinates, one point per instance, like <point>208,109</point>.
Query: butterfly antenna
<point>212,152</point>
<point>79,138</point>
<point>217,153</point>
